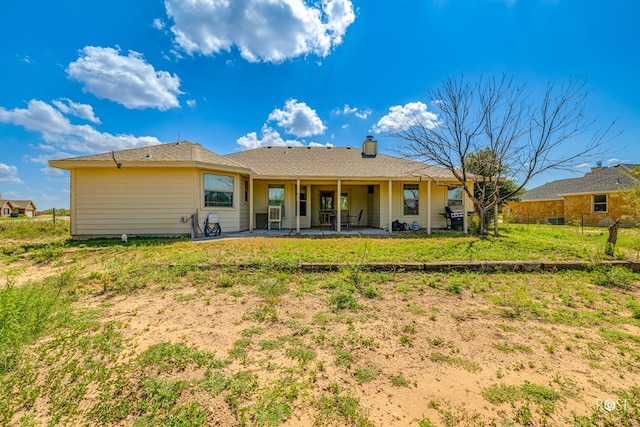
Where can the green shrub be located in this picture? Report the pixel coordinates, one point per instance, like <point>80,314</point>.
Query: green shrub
<point>615,277</point>
<point>344,300</point>
<point>26,313</point>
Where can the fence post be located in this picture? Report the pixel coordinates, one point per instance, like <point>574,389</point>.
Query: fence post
<point>582,223</point>
<point>54,216</point>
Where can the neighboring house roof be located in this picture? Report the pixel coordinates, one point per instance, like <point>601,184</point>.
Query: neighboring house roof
<point>17,204</point>
<point>344,162</point>
<point>601,180</point>
<point>181,152</point>
<point>22,204</point>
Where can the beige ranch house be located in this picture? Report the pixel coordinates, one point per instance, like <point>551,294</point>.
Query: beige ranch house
<point>170,189</point>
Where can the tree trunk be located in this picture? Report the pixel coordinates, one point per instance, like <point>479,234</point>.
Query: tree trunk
<point>482,215</point>
<point>613,238</point>
<point>495,220</point>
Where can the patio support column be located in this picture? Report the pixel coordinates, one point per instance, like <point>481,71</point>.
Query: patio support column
<point>298,206</point>
<point>338,207</point>
<point>390,207</point>
<point>251,224</point>
<point>429,207</point>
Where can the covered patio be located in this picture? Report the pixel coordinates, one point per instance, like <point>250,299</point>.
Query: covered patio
<point>304,232</point>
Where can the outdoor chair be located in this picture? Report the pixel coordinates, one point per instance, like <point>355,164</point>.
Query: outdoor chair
<point>355,219</point>
<point>326,219</point>
<point>344,220</point>
<point>275,215</point>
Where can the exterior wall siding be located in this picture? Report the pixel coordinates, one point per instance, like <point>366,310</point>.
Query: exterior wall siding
<point>132,201</point>
<point>373,204</point>
<point>150,201</point>
<point>438,202</point>
<point>243,205</point>
<point>229,218</point>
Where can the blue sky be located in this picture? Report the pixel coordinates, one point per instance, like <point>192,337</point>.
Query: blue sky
<point>80,77</point>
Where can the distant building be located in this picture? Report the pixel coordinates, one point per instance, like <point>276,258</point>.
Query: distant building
<point>16,207</point>
<point>598,199</point>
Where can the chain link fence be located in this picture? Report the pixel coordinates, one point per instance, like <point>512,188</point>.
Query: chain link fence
<point>584,220</point>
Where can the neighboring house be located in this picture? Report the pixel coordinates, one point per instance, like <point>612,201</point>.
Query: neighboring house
<point>5,208</point>
<point>598,199</point>
<point>20,207</point>
<point>156,190</point>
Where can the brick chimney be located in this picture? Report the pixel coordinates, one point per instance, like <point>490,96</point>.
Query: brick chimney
<point>369,147</point>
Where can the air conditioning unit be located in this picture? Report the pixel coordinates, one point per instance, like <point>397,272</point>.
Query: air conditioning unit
<point>555,221</point>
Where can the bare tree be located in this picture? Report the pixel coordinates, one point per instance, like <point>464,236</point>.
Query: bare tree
<point>496,115</point>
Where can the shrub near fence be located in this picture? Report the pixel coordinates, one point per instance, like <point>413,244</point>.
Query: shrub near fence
<point>595,220</point>
<point>585,220</point>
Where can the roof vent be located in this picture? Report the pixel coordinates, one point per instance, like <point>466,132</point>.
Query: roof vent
<point>369,147</point>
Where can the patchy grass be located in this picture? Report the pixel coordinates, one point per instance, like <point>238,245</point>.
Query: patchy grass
<point>538,394</point>
<point>230,332</point>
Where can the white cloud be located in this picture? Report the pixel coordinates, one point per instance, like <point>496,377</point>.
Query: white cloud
<point>56,129</point>
<point>192,103</point>
<point>158,24</point>
<point>270,137</point>
<point>269,31</point>
<point>403,117</point>
<point>9,173</point>
<point>49,197</point>
<point>318,144</point>
<point>361,114</point>
<point>128,80</point>
<point>84,111</point>
<point>55,172</point>
<point>298,119</point>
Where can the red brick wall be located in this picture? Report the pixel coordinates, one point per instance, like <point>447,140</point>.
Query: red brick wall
<point>575,209</point>
<point>579,208</point>
<point>534,212</point>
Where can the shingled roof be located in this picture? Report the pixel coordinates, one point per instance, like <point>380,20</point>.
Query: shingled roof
<point>273,161</point>
<point>183,151</point>
<point>600,180</point>
<point>21,204</point>
<point>343,162</point>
